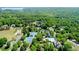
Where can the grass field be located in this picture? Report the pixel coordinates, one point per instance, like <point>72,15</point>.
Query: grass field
<point>76,48</point>
<point>9,34</point>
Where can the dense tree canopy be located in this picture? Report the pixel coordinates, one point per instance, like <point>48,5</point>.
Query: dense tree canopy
<point>59,23</point>
<point>2,41</point>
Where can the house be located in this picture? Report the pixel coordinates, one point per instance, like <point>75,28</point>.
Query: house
<point>31,37</point>
<point>53,40</point>
<point>39,23</point>
<point>4,27</point>
<point>33,34</point>
<point>50,28</point>
<point>13,25</point>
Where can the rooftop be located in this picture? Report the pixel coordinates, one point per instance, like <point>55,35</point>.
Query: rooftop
<point>29,39</point>
<point>32,34</point>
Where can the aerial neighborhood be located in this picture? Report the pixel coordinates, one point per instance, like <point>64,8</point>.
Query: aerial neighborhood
<point>39,29</point>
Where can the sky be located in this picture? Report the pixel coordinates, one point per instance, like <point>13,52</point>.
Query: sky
<point>39,3</point>
<point>12,8</point>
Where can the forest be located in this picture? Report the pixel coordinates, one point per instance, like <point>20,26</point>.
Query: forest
<point>39,29</point>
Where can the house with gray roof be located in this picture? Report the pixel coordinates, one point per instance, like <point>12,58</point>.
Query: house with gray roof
<point>31,37</point>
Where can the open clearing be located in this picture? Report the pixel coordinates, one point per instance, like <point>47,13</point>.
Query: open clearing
<point>9,34</point>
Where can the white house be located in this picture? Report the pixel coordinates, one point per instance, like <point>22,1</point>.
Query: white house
<point>33,34</point>
<point>53,40</point>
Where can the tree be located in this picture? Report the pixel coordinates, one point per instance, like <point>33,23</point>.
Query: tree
<point>39,47</point>
<point>33,48</point>
<point>51,47</point>
<point>76,36</point>
<point>70,36</point>
<point>28,34</point>
<point>77,39</point>
<point>25,44</point>
<point>23,37</point>
<point>52,33</point>
<point>29,29</point>
<point>34,41</point>
<point>22,48</point>
<point>1,23</point>
<point>19,43</point>
<point>61,38</point>
<point>15,46</point>
<point>24,31</point>
<point>67,46</point>
<point>3,41</point>
<point>39,37</point>
<point>7,45</point>
<point>48,46</point>
<point>44,26</point>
